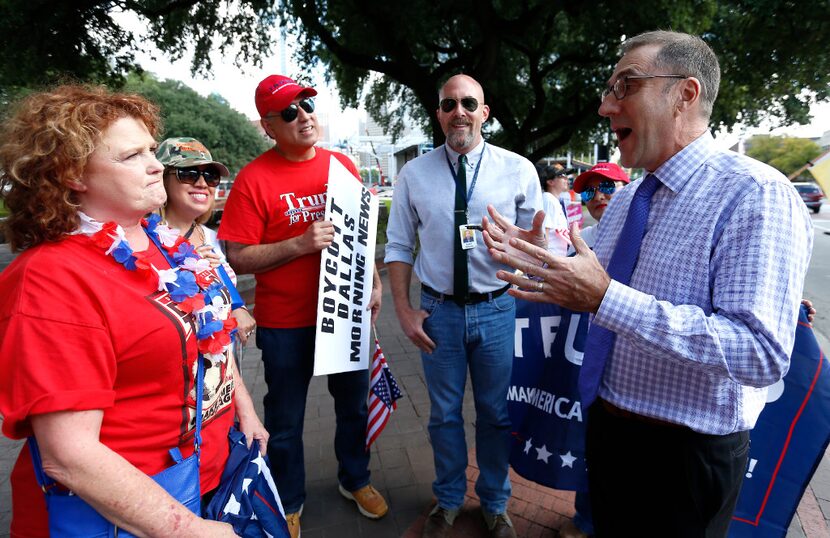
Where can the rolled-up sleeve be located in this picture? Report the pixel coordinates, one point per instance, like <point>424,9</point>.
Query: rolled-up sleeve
<point>402,226</point>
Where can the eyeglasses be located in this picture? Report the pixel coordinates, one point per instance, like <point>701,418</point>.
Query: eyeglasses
<point>291,112</point>
<point>191,175</point>
<point>605,187</point>
<point>620,85</point>
<point>470,104</point>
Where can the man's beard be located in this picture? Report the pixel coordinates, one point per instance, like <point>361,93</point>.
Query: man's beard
<point>461,140</point>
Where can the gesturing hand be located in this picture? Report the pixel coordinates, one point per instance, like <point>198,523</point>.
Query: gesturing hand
<point>578,282</point>
<point>498,233</point>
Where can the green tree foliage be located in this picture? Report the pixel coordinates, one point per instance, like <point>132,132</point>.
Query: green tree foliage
<point>542,62</point>
<point>42,40</point>
<point>228,134</point>
<point>782,152</point>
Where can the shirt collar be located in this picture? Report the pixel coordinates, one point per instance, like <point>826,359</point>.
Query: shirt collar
<point>473,155</point>
<point>675,172</point>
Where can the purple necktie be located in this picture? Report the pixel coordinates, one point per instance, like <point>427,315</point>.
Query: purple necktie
<point>600,340</point>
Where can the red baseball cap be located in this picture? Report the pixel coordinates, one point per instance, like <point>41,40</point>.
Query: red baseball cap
<point>605,170</point>
<point>276,92</point>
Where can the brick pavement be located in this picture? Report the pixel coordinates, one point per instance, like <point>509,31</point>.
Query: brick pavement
<point>402,462</point>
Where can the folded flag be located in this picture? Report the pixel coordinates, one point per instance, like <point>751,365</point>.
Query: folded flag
<point>247,496</point>
<point>383,392</point>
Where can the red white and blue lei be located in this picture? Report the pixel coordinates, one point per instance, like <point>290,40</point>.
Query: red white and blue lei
<point>190,283</point>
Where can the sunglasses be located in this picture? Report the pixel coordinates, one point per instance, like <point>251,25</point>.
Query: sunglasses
<point>470,104</point>
<point>290,113</point>
<point>605,187</point>
<point>192,174</point>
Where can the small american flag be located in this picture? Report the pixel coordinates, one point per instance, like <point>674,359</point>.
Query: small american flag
<point>383,392</point>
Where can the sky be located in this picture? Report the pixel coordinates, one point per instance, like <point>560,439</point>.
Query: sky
<point>237,86</point>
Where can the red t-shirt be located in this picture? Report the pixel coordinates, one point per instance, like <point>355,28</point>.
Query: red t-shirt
<point>274,199</point>
<point>79,332</point>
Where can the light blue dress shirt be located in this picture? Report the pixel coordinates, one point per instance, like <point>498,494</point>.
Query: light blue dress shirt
<point>423,204</point>
<point>708,320</point>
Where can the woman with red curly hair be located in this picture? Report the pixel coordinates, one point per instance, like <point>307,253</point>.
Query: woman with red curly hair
<point>105,320</point>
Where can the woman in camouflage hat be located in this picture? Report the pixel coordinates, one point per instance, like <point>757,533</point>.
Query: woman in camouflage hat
<point>190,179</point>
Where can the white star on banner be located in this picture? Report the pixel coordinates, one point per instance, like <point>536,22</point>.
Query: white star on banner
<point>260,463</point>
<point>528,446</point>
<point>543,454</point>
<point>245,483</point>
<point>568,459</point>
<point>233,506</point>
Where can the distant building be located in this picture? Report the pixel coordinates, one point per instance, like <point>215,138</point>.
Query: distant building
<point>376,149</point>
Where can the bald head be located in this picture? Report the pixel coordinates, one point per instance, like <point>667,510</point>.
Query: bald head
<point>465,81</point>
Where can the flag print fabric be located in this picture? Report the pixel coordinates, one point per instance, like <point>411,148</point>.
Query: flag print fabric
<point>543,401</point>
<point>247,497</point>
<point>383,391</point>
<point>787,443</point>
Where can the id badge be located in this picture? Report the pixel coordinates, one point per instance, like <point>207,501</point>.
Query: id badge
<point>468,236</point>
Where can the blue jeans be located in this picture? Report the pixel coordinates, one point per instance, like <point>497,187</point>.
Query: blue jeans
<point>480,337</point>
<point>288,356</point>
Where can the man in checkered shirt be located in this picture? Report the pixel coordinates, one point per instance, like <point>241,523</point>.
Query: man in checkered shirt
<point>707,320</point>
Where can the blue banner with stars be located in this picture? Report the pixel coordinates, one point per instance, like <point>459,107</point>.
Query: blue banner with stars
<point>548,424</point>
<point>548,446</point>
<point>787,443</point>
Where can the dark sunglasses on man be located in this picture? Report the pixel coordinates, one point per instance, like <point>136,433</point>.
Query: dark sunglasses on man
<point>448,104</point>
<point>605,187</point>
<point>291,112</point>
<point>191,175</point>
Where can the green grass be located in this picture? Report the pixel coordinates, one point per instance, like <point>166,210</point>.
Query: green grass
<point>383,218</point>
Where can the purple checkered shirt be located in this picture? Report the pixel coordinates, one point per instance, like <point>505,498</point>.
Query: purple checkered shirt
<point>708,320</point>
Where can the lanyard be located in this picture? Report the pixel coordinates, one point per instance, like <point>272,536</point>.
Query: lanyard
<point>475,174</point>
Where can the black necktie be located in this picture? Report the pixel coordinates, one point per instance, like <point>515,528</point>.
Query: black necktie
<point>460,277</point>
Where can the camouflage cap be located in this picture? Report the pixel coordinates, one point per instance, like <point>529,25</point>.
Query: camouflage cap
<point>184,151</point>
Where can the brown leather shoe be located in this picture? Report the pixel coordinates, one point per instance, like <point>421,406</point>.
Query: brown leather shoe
<point>439,523</point>
<point>293,521</point>
<point>370,503</point>
<point>500,525</point>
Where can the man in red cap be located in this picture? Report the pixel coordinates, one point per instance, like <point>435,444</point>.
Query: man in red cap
<point>274,226</point>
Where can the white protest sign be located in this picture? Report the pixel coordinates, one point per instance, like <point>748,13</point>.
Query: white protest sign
<point>346,269</point>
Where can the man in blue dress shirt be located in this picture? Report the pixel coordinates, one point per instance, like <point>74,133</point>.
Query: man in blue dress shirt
<point>706,320</point>
<point>471,327</point>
